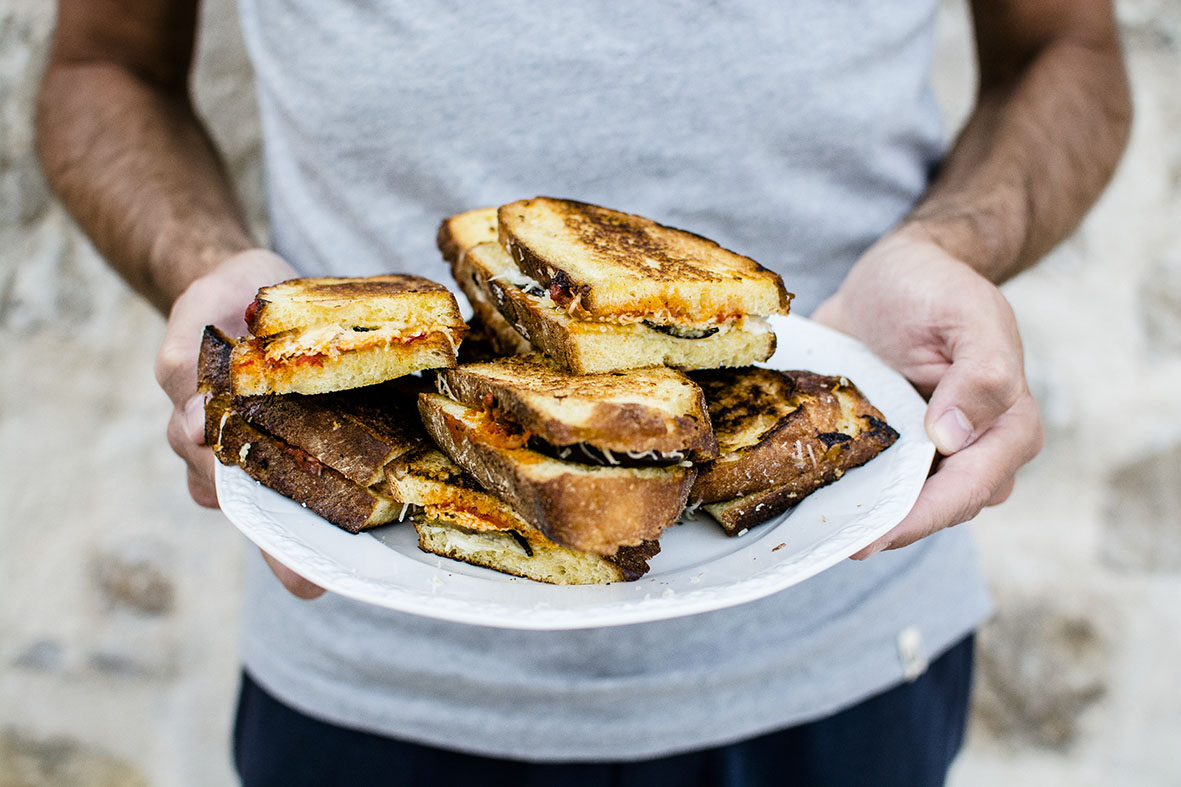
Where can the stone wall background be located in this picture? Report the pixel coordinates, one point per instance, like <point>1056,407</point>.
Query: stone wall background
<point>119,611</point>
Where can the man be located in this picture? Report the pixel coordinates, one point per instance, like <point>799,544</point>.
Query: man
<point>804,137</point>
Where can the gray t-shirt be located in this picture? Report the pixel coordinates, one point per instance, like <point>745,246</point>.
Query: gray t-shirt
<point>795,133</point>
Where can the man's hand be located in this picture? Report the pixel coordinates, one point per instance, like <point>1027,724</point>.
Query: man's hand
<point>218,298</point>
<point>1052,115</point>
<point>952,333</point>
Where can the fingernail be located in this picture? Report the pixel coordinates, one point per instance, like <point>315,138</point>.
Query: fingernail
<point>873,549</point>
<point>195,419</point>
<point>951,431</point>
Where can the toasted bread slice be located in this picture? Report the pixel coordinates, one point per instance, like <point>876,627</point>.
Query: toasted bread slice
<point>344,359</point>
<point>654,410</point>
<point>589,346</point>
<point>775,427</point>
<point>456,235</point>
<point>456,519</point>
<point>371,302</point>
<point>213,363</point>
<point>531,555</point>
<point>782,435</point>
<point>460,232</point>
<point>296,474</point>
<point>589,508</point>
<point>356,433</point>
<point>614,264</point>
<point>740,514</point>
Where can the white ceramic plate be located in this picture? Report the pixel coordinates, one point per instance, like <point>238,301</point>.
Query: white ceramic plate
<point>698,569</point>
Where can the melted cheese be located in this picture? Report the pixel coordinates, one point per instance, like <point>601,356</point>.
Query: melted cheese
<point>332,340</point>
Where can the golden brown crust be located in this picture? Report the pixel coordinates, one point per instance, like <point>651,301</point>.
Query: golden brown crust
<point>594,509</point>
<point>611,263</point>
<point>463,230</point>
<point>639,410</point>
<point>350,301</point>
<point>456,235</point>
<point>826,428</point>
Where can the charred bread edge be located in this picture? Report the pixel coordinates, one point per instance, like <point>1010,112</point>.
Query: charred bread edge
<point>618,427</point>
<point>768,462</point>
<point>334,437</point>
<point>742,513</point>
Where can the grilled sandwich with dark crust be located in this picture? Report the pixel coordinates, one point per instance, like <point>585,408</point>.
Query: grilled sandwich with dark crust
<point>782,436</point>
<point>599,290</point>
<point>611,264</point>
<point>330,334</point>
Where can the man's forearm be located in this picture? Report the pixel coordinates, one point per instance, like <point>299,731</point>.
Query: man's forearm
<point>135,167</point>
<point>1040,146</point>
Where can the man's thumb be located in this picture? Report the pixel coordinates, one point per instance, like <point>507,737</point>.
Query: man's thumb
<point>969,398</point>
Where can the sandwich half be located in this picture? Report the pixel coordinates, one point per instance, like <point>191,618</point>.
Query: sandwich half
<point>781,436</point>
<point>599,290</point>
<point>329,334</point>
<point>593,500</point>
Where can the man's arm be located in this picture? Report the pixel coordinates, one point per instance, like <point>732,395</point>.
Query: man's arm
<point>125,151</point>
<point>1051,119</point>
<point>1052,116</point>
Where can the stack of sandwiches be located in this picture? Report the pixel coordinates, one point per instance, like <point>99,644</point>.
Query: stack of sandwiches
<point>360,458</point>
<point>598,290</point>
<point>612,387</point>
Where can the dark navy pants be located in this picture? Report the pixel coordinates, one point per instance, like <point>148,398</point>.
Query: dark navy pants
<point>904,737</point>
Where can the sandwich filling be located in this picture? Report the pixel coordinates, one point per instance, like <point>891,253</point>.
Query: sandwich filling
<point>330,341</point>
<point>499,429</point>
<point>562,296</point>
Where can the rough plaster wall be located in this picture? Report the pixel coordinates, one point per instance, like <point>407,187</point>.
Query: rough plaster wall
<point>117,627</point>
